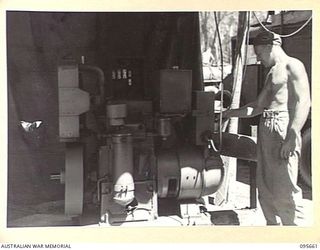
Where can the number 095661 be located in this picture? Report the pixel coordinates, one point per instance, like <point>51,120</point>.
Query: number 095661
<point>308,246</point>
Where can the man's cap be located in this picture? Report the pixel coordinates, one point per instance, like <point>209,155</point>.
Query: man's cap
<point>265,37</point>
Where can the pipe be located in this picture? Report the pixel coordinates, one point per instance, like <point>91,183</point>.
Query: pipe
<point>101,78</point>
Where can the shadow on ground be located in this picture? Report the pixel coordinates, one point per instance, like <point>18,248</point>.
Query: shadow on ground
<point>227,217</point>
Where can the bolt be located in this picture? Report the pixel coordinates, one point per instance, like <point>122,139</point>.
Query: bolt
<point>150,188</point>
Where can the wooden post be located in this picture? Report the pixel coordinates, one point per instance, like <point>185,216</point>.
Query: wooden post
<point>253,173</point>
<point>253,184</point>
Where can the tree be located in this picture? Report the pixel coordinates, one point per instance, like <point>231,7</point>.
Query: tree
<point>228,24</point>
<point>204,19</point>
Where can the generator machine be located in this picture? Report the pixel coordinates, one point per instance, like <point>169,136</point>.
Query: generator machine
<point>127,153</point>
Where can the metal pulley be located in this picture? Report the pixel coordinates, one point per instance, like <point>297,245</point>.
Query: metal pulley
<point>74,179</point>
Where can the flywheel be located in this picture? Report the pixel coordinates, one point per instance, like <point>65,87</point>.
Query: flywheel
<point>74,179</point>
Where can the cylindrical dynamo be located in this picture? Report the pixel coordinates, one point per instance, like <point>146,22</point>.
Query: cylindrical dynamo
<point>186,174</point>
<point>123,192</point>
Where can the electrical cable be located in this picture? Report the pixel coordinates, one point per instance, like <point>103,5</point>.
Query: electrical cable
<point>246,48</point>
<point>221,87</point>
<point>281,35</point>
<point>171,217</point>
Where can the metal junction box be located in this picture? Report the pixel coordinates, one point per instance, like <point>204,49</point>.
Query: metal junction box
<point>72,102</point>
<point>173,91</point>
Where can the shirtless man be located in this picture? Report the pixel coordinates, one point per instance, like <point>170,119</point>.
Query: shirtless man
<point>207,57</point>
<point>207,60</point>
<point>284,104</point>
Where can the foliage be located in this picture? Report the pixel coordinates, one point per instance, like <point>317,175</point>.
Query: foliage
<point>228,25</point>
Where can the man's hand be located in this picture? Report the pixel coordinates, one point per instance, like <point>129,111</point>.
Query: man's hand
<point>289,145</point>
<point>224,115</point>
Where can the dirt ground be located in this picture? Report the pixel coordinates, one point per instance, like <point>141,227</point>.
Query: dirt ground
<point>237,212</point>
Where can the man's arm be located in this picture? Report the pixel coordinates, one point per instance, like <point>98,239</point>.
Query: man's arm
<point>299,98</point>
<point>251,109</point>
